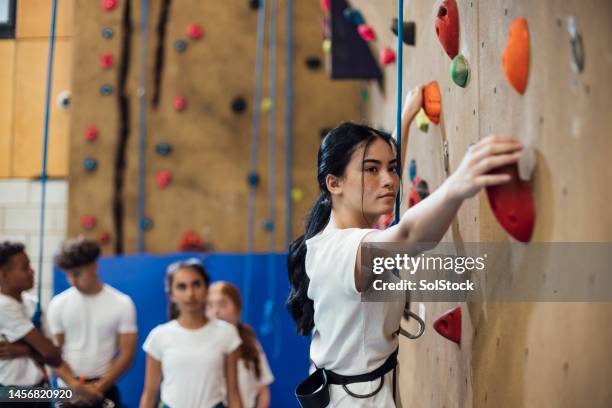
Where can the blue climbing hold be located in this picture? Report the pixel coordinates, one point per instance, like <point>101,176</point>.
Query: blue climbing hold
<point>253,179</point>
<point>180,46</point>
<point>412,170</point>
<point>90,164</point>
<point>354,16</point>
<point>268,225</point>
<point>107,33</point>
<point>146,223</point>
<point>106,90</point>
<point>163,149</point>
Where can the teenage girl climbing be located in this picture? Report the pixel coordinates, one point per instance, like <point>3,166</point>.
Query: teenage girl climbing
<point>356,342</point>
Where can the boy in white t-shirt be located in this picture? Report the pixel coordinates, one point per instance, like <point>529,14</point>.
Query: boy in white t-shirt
<point>23,349</point>
<point>94,324</point>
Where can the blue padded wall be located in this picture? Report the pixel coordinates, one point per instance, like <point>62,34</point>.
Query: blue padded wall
<point>141,277</point>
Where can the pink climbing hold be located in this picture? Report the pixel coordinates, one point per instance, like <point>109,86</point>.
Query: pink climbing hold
<point>325,5</point>
<point>366,32</point>
<point>88,222</point>
<point>179,103</point>
<point>109,5</point>
<point>163,178</point>
<point>195,31</point>
<point>387,56</point>
<point>107,61</point>
<point>91,134</point>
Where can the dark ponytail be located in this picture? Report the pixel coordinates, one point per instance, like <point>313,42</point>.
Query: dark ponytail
<point>334,155</point>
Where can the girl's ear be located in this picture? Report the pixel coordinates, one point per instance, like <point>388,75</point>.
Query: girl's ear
<point>333,183</point>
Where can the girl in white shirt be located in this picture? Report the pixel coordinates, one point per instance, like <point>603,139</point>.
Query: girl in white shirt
<point>254,374</point>
<point>192,357</point>
<point>359,181</point>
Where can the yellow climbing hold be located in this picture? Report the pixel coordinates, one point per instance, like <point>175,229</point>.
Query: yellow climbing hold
<point>266,105</point>
<point>422,121</point>
<point>327,45</point>
<point>297,194</point>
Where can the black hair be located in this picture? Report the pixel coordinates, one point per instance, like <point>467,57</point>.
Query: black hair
<point>334,155</point>
<point>191,263</point>
<point>77,252</point>
<point>8,250</point>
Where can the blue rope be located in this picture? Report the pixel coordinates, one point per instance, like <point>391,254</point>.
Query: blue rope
<point>142,125</point>
<point>37,318</point>
<point>267,325</point>
<point>398,126</point>
<point>248,276</point>
<point>289,122</point>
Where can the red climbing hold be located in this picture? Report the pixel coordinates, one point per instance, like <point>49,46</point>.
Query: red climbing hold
<point>432,101</point>
<point>107,60</point>
<point>515,59</point>
<point>91,134</point>
<point>103,238</point>
<point>163,178</point>
<point>366,32</point>
<point>512,204</point>
<point>195,31</point>
<point>325,5</point>
<point>387,56</point>
<point>88,222</point>
<point>447,27</point>
<point>191,241</point>
<point>109,5</point>
<point>179,103</point>
<point>449,325</point>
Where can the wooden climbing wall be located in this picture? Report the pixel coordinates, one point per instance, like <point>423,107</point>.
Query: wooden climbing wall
<point>514,354</point>
<point>211,145</point>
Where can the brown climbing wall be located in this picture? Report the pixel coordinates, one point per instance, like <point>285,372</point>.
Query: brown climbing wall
<point>210,160</point>
<point>514,354</point>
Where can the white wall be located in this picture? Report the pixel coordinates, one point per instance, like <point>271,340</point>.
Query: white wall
<point>20,221</point>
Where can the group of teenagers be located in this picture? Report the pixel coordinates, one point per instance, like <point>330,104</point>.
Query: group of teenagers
<point>354,343</point>
<point>204,356</point>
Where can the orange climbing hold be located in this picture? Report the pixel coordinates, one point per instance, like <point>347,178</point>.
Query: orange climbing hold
<point>432,101</point>
<point>449,325</point>
<point>512,204</point>
<point>447,27</point>
<point>515,59</point>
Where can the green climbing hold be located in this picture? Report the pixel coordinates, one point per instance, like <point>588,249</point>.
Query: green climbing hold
<point>460,70</point>
<point>363,94</point>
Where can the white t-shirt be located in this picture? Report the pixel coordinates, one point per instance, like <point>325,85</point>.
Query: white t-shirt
<point>91,325</point>
<point>350,337</point>
<point>192,361</point>
<point>15,323</point>
<point>248,383</point>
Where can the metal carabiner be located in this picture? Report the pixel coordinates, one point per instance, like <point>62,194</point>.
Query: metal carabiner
<point>407,315</point>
